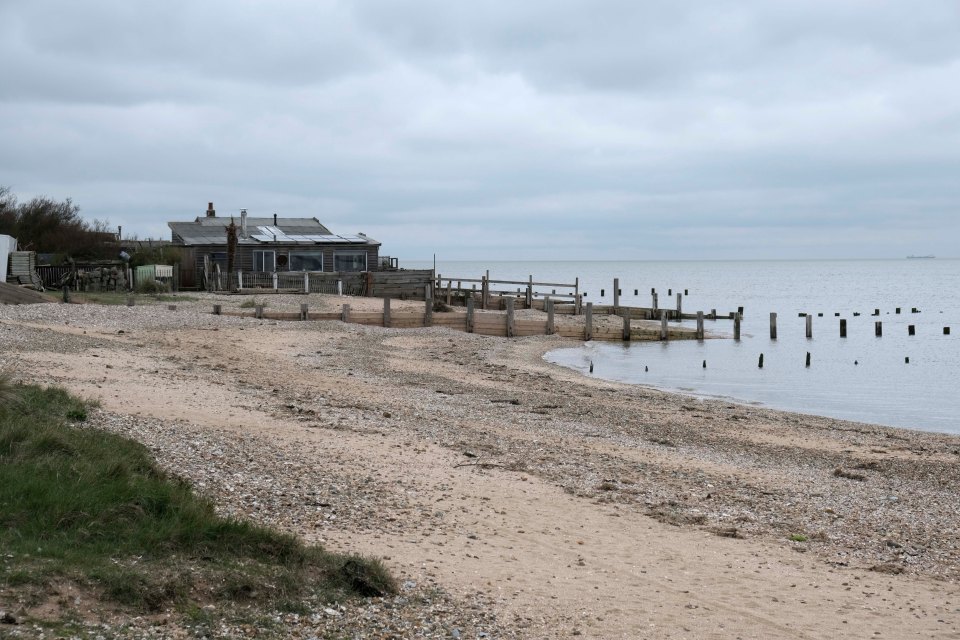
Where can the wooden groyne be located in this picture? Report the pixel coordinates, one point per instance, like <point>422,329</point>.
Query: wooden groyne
<point>488,323</point>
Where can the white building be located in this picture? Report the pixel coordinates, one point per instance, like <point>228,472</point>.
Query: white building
<point>7,246</point>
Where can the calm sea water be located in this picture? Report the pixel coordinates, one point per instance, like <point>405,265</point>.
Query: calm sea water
<point>860,377</point>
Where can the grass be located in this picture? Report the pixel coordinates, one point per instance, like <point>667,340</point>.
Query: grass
<point>250,303</point>
<point>87,507</point>
<point>798,537</point>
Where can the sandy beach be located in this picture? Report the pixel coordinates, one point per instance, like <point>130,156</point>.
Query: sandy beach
<point>514,498</point>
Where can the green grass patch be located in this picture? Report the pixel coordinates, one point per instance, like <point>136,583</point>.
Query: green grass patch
<point>798,537</point>
<point>81,505</point>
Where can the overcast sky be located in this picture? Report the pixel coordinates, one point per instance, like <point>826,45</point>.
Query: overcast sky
<point>529,129</point>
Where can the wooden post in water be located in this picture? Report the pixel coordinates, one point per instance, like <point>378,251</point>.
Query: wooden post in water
<point>345,314</point>
<point>843,327</point>
<point>470,312</point>
<point>679,306</point>
<point>304,311</point>
<point>808,359</point>
<point>664,333</point>
<point>428,312</point>
<point>699,325</point>
<point>387,320</point>
<point>626,326</point>
<point>588,323</point>
<point>809,326</point>
<point>511,327</point>
<point>616,296</point>
<point>878,328</point>
<point>549,305</point>
<point>911,330</point>
<point>760,363</point>
<point>946,331</point>
<point>773,325</point>
<point>736,326</point>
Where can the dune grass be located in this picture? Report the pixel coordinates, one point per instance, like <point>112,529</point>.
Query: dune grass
<point>81,505</point>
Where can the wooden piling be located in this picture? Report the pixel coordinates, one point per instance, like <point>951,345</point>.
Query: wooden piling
<point>616,295</point>
<point>898,310</point>
<point>387,320</point>
<point>736,326</point>
<point>511,326</point>
<point>428,312</point>
<point>626,326</point>
<point>843,327</point>
<point>773,325</point>
<point>217,309</point>
<point>530,293</point>
<point>760,363</point>
<point>345,313</point>
<point>664,333</point>
<point>549,305</point>
<point>808,359</point>
<point>588,323</point>
<point>130,301</point>
<point>713,314</point>
<point>699,325</point>
<point>485,291</point>
<point>449,290</point>
<point>878,328</point>
<point>911,330</point>
<point>66,293</point>
<point>946,331</point>
<point>470,314</point>
<point>679,306</point>
<point>258,312</point>
<point>655,306</point>
<point>304,311</point>
<point>809,326</point>
<point>669,292</point>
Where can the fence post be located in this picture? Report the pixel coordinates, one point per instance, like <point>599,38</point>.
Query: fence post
<point>304,312</point>
<point>699,325</point>
<point>386,312</point>
<point>217,309</point>
<point>339,287</point>
<point>258,312</point>
<point>549,305</point>
<point>345,314</point>
<point>773,325</point>
<point>654,294</point>
<point>576,296</point>
<point>510,325</point>
<point>276,281</point>
<point>588,323</point>
<point>66,293</point>
<point>616,296</point>
<point>449,290</point>
<point>470,305</point>
<point>239,280</point>
<point>530,293</point>
<point>736,326</point>
<point>485,294</point>
<point>428,312</point>
<point>664,334</point>
<point>306,282</point>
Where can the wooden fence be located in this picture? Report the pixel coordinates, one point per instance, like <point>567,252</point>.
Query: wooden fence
<point>402,284</point>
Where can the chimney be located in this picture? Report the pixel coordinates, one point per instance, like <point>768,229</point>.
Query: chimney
<point>243,223</point>
<point>211,212</point>
<point>274,219</point>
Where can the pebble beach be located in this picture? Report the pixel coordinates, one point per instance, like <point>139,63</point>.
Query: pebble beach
<point>513,498</point>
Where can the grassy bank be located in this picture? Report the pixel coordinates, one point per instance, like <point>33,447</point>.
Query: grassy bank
<point>89,511</point>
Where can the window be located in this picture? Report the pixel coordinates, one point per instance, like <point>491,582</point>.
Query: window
<point>264,261</point>
<point>220,259</point>
<point>349,260</point>
<point>306,261</point>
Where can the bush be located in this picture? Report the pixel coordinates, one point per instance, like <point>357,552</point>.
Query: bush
<point>152,286</point>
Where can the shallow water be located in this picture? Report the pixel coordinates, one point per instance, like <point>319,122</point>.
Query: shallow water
<point>860,377</point>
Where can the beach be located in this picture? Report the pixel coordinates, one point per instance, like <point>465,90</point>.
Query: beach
<point>512,497</point>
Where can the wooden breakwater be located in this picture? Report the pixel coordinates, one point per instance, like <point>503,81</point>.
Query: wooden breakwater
<point>482,322</point>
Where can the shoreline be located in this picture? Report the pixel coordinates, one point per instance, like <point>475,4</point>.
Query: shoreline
<point>557,501</point>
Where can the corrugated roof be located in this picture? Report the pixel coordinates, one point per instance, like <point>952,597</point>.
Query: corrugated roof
<point>307,231</point>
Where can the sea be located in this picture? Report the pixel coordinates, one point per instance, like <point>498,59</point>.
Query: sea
<point>898,379</point>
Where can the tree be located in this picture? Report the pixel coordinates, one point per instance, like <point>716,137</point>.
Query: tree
<point>231,244</point>
<point>51,226</point>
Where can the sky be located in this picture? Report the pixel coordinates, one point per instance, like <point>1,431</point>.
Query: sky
<point>617,129</point>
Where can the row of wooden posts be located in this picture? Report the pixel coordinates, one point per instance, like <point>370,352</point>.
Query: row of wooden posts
<point>588,332</point>
<point>877,327</point>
